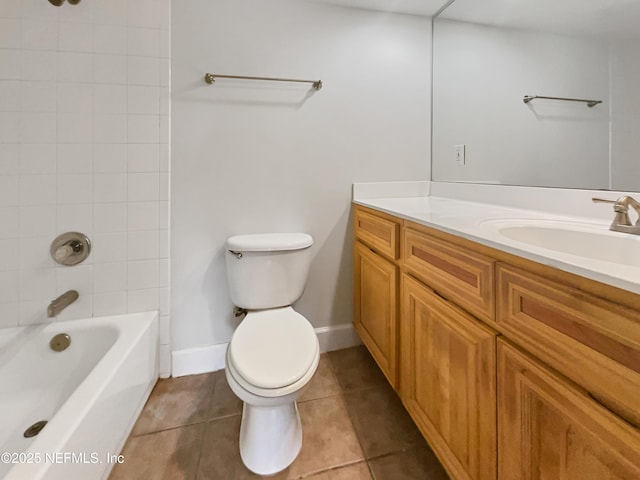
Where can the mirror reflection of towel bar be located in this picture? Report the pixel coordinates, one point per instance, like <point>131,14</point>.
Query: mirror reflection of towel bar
<point>210,78</point>
<point>590,103</point>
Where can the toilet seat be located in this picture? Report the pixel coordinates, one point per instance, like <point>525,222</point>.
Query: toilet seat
<point>272,350</point>
<point>276,394</point>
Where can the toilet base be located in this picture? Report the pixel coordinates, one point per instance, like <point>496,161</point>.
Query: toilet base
<point>270,437</point>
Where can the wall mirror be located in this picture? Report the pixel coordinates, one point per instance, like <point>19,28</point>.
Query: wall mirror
<point>489,55</point>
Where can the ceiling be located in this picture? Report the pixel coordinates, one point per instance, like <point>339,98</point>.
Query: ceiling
<point>414,7</point>
<point>593,18</point>
<point>610,19</point>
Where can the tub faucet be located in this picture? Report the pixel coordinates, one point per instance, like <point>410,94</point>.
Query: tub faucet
<point>621,222</point>
<point>62,302</point>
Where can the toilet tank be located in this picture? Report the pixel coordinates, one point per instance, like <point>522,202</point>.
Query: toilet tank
<point>267,270</point>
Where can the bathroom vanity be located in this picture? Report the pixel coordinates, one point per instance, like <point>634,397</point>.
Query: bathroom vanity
<point>514,362</point>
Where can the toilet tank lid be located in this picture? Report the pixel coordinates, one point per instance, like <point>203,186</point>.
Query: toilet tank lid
<point>269,242</point>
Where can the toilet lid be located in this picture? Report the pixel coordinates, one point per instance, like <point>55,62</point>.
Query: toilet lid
<point>273,348</point>
<point>269,242</point>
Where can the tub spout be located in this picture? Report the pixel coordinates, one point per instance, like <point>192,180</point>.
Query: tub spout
<point>62,302</point>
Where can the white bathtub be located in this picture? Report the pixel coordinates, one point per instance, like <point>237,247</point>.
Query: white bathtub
<point>91,394</point>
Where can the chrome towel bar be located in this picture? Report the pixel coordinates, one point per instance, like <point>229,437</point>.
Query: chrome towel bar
<point>211,78</point>
<point>590,103</point>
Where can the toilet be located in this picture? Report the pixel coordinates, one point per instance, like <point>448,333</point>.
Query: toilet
<point>274,352</point>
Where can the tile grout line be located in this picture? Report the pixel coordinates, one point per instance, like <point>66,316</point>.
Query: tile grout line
<point>370,468</point>
<point>202,445</point>
<point>168,429</point>
<point>330,469</point>
<point>206,422</point>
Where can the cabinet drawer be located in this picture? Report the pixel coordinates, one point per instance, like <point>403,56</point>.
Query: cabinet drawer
<point>592,341</point>
<point>378,232</point>
<point>458,274</point>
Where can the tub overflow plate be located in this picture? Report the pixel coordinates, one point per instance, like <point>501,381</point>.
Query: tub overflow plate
<point>60,342</point>
<point>35,429</point>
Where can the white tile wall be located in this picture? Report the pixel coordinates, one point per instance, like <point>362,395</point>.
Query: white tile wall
<point>84,105</point>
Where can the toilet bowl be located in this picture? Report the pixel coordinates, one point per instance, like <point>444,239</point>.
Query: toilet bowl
<point>272,356</point>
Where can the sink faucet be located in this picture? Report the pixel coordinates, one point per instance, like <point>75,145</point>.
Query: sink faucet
<point>621,222</point>
<point>62,302</point>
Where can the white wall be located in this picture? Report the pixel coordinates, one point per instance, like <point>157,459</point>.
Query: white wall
<point>481,74</point>
<point>269,157</point>
<point>84,94</point>
<point>625,118</point>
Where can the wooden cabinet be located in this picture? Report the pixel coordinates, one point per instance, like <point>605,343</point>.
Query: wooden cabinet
<point>550,429</point>
<point>448,381</point>
<point>375,288</point>
<point>512,370</point>
<point>375,307</point>
<point>591,340</point>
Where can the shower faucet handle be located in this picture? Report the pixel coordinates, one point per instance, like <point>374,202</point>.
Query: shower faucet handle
<point>66,250</point>
<point>70,248</point>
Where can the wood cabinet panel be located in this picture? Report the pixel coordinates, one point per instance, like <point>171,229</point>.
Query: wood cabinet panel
<point>379,231</point>
<point>594,342</point>
<point>448,381</point>
<point>375,308</point>
<point>459,274</point>
<point>569,411</point>
<point>549,429</point>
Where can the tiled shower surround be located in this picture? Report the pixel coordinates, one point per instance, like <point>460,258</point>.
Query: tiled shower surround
<point>84,145</point>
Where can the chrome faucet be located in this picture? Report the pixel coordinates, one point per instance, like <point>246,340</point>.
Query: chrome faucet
<point>621,222</point>
<point>62,302</point>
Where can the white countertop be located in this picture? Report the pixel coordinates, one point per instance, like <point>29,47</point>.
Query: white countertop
<point>474,221</point>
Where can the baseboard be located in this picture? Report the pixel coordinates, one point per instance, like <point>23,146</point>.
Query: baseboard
<point>210,358</point>
<point>337,337</point>
<point>192,361</point>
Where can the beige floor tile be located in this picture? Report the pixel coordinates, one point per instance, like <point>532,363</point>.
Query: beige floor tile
<point>337,428</point>
<point>171,454</point>
<point>329,439</point>
<point>414,464</point>
<point>323,383</point>
<point>175,402</point>
<point>354,369</point>
<point>381,421</point>
<point>359,471</point>
<point>224,402</point>
<point>220,457</point>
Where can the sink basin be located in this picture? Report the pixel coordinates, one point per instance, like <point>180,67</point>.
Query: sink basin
<point>592,241</point>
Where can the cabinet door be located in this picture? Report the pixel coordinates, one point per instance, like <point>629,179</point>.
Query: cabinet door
<point>549,429</point>
<point>375,308</point>
<point>449,381</point>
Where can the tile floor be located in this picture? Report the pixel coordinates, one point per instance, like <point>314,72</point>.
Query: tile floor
<point>354,428</point>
